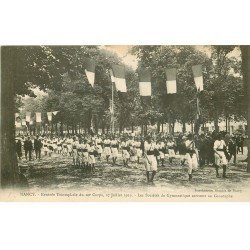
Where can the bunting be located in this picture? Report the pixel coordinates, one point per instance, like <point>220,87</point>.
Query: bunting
<point>145,82</point>
<point>90,71</point>
<point>119,77</point>
<point>171,81</point>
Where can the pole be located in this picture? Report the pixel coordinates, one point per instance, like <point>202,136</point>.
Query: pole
<point>112,102</point>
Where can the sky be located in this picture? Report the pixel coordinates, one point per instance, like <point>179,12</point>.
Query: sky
<point>123,51</point>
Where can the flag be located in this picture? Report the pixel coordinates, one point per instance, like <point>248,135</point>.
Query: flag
<point>28,116</point>
<point>49,114</point>
<point>23,122</point>
<point>112,76</point>
<point>55,112</point>
<point>38,117</point>
<point>198,77</point>
<point>171,81</point>
<point>145,82</point>
<point>18,121</point>
<point>90,71</point>
<point>119,77</point>
<point>31,122</point>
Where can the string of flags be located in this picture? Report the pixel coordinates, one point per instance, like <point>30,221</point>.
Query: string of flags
<point>38,118</point>
<point>117,74</point>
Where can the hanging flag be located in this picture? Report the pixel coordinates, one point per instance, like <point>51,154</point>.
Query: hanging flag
<point>198,77</point>
<point>28,116</point>
<point>18,121</point>
<point>171,81</point>
<point>38,117</point>
<point>90,71</point>
<point>23,122</point>
<point>55,112</point>
<point>119,75</point>
<point>145,82</point>
<point>112,76</point>
<point>31,122</point>
<point>49,114</point>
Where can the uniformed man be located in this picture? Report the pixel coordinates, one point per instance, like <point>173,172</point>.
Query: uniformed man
<point>38,147</point>
<point>28,147</point>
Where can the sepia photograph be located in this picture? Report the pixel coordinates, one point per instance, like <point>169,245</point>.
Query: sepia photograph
<point>125,123</point>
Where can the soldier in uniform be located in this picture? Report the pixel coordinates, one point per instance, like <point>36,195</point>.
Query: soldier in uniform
<point>28,147</point>
<point>38,147</point>
<point>19,148</point>
<point>161,147</point>
<point>150,159</point>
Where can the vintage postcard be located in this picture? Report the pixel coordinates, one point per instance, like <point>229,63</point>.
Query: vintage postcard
<point>125,123</point>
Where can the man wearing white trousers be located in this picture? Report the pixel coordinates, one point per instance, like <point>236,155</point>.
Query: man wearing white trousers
<point>150,159</point>
<point>191,156</point>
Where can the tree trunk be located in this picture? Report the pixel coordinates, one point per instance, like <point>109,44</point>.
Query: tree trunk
<point>158,127</point>
<point>61,129</point>
<point>8,165</point>
<point>216,122</point>
<point>183,127</point>
<point>245,50</point>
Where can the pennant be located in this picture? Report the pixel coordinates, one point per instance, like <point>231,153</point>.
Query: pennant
<point>90,71</point>
<point>171,81</point>
<point>145,82</point>
<point>28,116</point>
<point>49,114</point>
<point>198,77</point>
<point>55,112</point>
<point>38,117</point>
<point>119,75</point>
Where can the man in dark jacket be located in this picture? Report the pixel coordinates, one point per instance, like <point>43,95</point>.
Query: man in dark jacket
<point>38,146</point>
<point>19,149</point>
<point>28,147</point>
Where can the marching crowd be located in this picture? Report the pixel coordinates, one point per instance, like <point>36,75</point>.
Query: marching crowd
<point>193,151</point>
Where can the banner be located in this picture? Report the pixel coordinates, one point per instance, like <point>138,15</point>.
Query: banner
<point>171,81</point>
<point>90,71</point>
<point>28,116</point>
<point>145,82</point>
<point>198,77</point>
<point>119,77</point>
<point>49,114</point>
<point>38,117</point>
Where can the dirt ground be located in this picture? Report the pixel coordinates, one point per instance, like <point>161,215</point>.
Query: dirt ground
<point>58,172</point>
